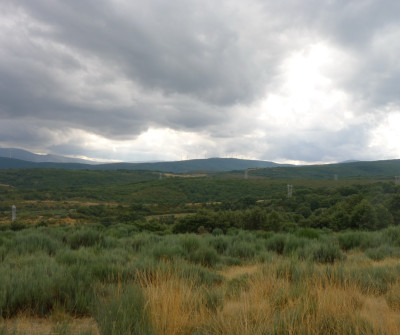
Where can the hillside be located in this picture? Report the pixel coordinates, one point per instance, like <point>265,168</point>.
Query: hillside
<point>328,171</point>
<point>236,166</point>
<point>211,164</point>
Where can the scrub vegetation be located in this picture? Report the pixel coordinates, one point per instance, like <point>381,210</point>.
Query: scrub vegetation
<point>221,256</point>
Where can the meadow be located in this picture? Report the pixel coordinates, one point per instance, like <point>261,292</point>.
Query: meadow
<point>212,255</point>
<point>92,279</point>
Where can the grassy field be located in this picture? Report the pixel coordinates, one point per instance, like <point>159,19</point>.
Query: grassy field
<point>92,279</point>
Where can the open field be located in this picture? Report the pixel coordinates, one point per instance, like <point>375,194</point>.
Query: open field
<point>96,280</point>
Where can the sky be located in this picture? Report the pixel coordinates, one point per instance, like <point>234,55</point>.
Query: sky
<point>290,81</point>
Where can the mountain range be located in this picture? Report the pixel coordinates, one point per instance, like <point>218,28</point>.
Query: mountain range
<point>46,158</point>
<point>257,168</point>
<point>18,158</point>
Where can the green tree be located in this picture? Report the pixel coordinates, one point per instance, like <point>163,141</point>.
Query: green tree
<point>364,216</point>
<point>274,221</point>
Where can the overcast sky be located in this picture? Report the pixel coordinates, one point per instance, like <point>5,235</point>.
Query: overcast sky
<point>132,80</point>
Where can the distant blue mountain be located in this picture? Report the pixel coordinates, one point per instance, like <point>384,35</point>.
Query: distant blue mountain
<point>210,164</point>
<point>31,157</point>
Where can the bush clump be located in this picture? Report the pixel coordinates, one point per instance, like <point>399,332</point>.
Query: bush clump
<point>84,238</point>
<point>123,311</point>
<point>324,252</point>
<point>276,243</point>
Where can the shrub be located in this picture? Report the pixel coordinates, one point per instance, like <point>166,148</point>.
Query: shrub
<point>84,238</point>
<point>392,235</point>
<point>237,285</point>
<point>189,243</point>
<point>165,251</point>
<point>374,279</point>
<point>379,253</point>
<point>28,242</point>
<point>40,284</point>
<point>307,233</point>
<point>217,231</point>
<point>214,298</point>
<point>324,252</point>
<point>354,240</point>
<point>220,244</point>
<point>241,249</point>
<point>276,243</point>
<point>123,311</point>
<point>293,243</point>
<point>205,256</point>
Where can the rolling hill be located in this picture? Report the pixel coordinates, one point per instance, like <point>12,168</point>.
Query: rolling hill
<point>210,164</point>
<point>355,169</point>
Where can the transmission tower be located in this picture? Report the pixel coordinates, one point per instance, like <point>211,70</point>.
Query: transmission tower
<point>246,174</point>
<point>13,213</point>
<point>160,176</point>
<point>289,191</point>
<point>397,180</point>
<point>335,177</point>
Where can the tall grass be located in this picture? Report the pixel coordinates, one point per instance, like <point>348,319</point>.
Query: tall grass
<point>308,282</point>
<point>122,311</point>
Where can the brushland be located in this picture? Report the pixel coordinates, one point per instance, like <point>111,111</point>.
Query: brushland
<point>118,281</point>
<point>122,252</point>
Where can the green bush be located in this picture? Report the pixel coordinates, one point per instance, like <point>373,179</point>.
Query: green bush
<point>324,252</point>
<point>84,237</point>
<point>28,242</point>
<point>374,279</point>
<point>189,243</point>
<point>357,240</point>
<point>307,233</point>
<point>205,256</point>
<point>241,249</point>
<point>217,231</point>
<point>276,243</point>
<point>379,253</point>
<point>167,251</point>
<point>392,235</point>
<point>40,284</point>
<point>122,311</point>
<point>294,243</point>
<point>220,244</point>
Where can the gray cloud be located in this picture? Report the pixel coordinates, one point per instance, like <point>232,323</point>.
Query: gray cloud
<point>119,68</point>
<point>187,47</point>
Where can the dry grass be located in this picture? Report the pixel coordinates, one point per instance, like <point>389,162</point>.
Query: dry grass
<point>176,305</point>
<point>46,326</point>
<point>273,304</point>
<point>236,271</point>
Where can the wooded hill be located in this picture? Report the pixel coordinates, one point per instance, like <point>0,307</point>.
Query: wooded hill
<point>383,168</point>
<point>210,164</point>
